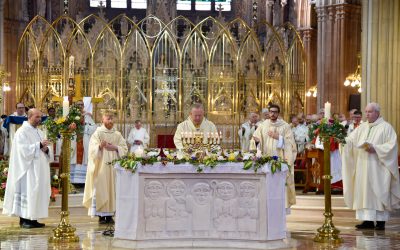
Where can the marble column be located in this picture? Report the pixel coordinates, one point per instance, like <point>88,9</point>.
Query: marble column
<point>381,57</point>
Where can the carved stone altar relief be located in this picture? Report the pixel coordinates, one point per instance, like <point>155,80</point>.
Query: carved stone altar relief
<point>201,204</point>
<point>154,207</point>
<point>225,207</point>
<point>248,213</point>
<point>177,209</point>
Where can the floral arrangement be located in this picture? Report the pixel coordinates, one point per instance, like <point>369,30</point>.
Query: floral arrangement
<point>328,129</point>
<point>73,122</point>
<point>211,160</point>
<point>3,177</point>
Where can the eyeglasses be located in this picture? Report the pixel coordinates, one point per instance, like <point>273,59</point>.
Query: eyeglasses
<point>20,107</point>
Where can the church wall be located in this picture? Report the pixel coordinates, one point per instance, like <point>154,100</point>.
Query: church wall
<point>381,57</point>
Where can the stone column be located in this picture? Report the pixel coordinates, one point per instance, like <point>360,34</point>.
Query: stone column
<point>381,57</point>
<point>309,36</point>
<point>339,34</point>
<point>268,12</point>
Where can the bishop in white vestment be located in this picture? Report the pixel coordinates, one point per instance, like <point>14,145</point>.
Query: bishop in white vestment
<point>370,170</point>
<point>28,183</point>
<point>138,137</point>
<point>196,122</point>
<point>275,138</point>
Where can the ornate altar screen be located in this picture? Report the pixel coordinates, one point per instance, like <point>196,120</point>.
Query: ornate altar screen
<point>154,71</point>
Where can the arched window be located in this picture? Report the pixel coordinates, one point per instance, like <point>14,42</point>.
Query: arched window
<point>139,4</point>
<point>96,3</point>
<point>224,4</point>
<point>203,5</point>
<point>184,4</point>
<point>122,4</point>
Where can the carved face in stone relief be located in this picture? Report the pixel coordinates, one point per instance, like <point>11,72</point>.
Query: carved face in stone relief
<point>247,189</point>
<point>153,189</point>
<point>201,193</point>
<point>225,190</point>
<point>176,188</point>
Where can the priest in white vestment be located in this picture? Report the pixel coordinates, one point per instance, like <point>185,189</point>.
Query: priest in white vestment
<point>300,132</point>
<point>80,148</point>
<point>275,138</point>
<point>246,132</point>
<point>106,145</point>
<point>28,182</point>
<point>370,170</point>
<point>138,137</point>
<point>196,122</point>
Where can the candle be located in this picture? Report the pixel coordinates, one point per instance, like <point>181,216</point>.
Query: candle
<point>139,152</point>
<point>65,106</point>
<point>252,145</point>
<point>327,110</point>
<point>219,137</point>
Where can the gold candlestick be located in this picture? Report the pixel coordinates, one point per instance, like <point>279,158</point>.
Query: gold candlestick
<point>327,233</point>
<point>65,233</point>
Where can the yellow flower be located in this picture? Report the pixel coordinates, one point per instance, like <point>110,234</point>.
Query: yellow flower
<point>60,120</point>
<point>231,157</point>
<point>170,157</point>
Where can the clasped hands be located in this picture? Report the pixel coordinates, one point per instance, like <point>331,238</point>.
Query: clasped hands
<point>44,145</point>
<point>370,148</point>
<point>108,146</point>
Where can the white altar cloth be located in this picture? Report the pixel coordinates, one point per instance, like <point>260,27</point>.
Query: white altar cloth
<point>176,202</point>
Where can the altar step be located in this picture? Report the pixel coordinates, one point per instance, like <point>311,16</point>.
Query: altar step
<point>312,205</point>
<point>74,204</point>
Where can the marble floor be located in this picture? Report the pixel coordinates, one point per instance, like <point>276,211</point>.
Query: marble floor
<point>301,231</point>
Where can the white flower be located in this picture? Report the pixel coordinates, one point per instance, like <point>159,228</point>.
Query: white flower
<point>5,170</point>
<point>220,158</point>
<point>152,153</point>
<point>55,177</point>
<point>159,158</point>
<point>77,118</point>
<point>247,156</point>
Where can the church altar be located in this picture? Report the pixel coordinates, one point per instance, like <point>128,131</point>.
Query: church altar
<point>221,203</point>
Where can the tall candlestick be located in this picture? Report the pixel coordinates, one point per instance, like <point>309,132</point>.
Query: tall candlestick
<point>327,110</point>
<point>65,106</point>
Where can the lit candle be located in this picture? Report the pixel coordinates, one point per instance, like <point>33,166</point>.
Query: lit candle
<point>65,106</point>
<point>327,110</point>
<point>139,152</point>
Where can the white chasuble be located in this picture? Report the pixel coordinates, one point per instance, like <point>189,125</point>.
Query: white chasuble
<point>371,180</point>
<point>100,177</point>
<point>206,126</point>
<point>284,147</point>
